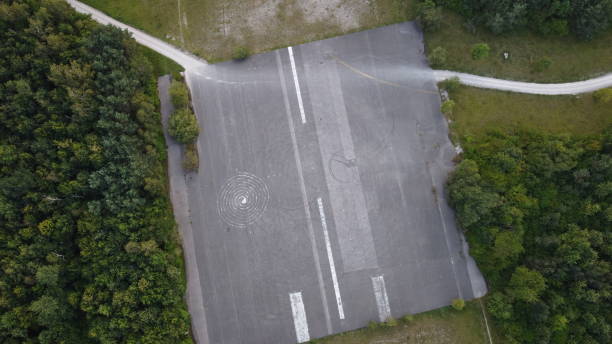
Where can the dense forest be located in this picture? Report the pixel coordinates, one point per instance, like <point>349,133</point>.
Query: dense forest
<point>88,248</point>
<point>537,211</point>
<point>583,18</point>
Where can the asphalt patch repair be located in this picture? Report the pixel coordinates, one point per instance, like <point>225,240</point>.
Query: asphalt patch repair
<point>319,203</point>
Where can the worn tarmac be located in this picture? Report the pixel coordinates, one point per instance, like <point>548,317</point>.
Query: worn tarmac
<point>319,204</point>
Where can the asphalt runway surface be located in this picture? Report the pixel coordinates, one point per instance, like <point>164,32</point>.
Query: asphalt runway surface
<point>319,202</point>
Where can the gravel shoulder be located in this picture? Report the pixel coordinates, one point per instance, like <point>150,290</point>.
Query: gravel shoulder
<point>182,214</point>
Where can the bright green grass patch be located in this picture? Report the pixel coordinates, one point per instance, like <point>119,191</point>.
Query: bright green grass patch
<point>441,326</point>
<point>478,110</point>
<point>157,17</point>
<point>161,64</point>
<point>570,59</point>
<point>214,29</point>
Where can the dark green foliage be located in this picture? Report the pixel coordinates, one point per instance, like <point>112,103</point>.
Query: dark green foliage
<point>480,51</point>
<point>604,96</point>
<point>82,183</point>
<point>179,94</point>
<point>451,84</point>
<point>437,57</point>
<point>183,126</point>
<point>191,160</point>
<point>429,15</point>
<point>542,64</point>
<point>447,107</point>
<point>240,53</point>
<point>585,18</point>
<point>535,209</point>
<point>390,322</point>
<point>458,304</point>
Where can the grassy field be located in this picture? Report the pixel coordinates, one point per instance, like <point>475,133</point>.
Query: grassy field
<point>570,58</point>
<point>161,64</point>
<point>441,326</point>
<point>478,110</point>
<point>214,29</point>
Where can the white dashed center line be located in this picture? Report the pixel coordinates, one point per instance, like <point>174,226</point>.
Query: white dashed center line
<point>382,300</point>
<point>299,317</point>
<point>330,257</point>
<point>297,85</point>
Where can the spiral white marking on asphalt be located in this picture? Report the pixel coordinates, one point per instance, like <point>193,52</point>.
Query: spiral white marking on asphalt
<point>242,200</point>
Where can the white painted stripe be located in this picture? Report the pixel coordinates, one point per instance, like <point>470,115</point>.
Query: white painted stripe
<point>330,257</point>
<point>382,300</point>
<point>300,169</point>
<point>297,85</point>
<point>299,317</point>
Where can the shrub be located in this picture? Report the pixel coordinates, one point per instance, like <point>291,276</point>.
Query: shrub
<point>408,318</point>
<point>558,27</point>
<point>603,96</point>
<point>240,53</point>
<point>179,95</point>
<point>191,160</point>
<point>542,64</point>
<point>183,126</point>
<point>451,84</point>
<point>447,107</point>
<point>391,322</point>
<point>437,57</point>
<point>480,51</point>
<point>429,15</point>
<point>499,306</point>
<point>458,304</point>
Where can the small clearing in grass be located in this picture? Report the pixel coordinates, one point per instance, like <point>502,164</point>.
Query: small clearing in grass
<point>213,29</point>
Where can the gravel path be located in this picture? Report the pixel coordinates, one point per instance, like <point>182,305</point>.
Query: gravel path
<point>527,87</point>
<point>185,59</point>
<point>189,61</point>
<point>182,214</point>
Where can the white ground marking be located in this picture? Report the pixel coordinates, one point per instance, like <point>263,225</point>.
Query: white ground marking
<point>330,257</point>
<point>242,200</point>
<point>300,169</point>
<point>297,85</point>
<point>382,300</point>
<point>299,317</point>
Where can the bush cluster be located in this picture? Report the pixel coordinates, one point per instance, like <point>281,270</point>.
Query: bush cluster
<point>583,18</point>
<point>183,126</point>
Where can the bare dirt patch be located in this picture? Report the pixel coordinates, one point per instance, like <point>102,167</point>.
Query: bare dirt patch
<point>216,28</point>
